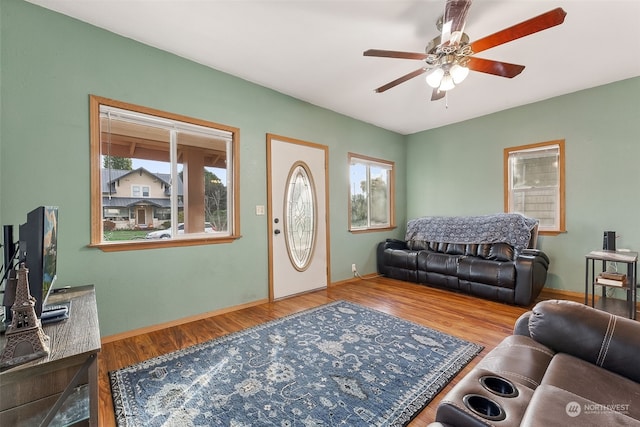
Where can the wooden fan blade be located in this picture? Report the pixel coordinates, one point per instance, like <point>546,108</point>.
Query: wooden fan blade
<point>455,13</point>
<point>437,94</point>
<point>402,79</point>
<point>497,68</point>
<point>541,22</point>
<point>394,54</point>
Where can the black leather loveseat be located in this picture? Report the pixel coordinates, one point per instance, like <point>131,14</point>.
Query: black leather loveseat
<point>490,256</point>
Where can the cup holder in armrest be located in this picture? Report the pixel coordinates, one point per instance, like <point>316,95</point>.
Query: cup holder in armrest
<point>484,407</point>
<point>499,386</point>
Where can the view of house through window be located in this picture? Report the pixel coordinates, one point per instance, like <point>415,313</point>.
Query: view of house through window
<point>534,183</point>
<point>162,177</point>
<point>370,193</point>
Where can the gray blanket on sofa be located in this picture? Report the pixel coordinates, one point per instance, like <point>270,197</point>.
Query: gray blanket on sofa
<point>514,229</point>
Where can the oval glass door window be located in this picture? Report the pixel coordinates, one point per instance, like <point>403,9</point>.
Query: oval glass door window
<point>300,216</point>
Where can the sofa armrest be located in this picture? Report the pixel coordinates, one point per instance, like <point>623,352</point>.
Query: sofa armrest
<point>521,327</point>
<point>536,253</point>
<point>531,275</point>
<point>609,341</point>
<point>395,244</point>
<point>387,244</point>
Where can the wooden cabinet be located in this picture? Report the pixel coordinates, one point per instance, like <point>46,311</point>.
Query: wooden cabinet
<point>34,393</point>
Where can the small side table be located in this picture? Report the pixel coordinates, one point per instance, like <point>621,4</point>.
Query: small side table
<point>624,308</point>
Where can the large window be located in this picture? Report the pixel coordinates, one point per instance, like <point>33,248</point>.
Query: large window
<point>371,194</point>
<point>160,179</point>
<point>534,183</point>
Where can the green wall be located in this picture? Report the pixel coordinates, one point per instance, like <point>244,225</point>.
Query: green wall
<point>50,65</point>
<point>458,170</point>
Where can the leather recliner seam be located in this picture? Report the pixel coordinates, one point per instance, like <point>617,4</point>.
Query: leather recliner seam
<point>545,351</point>
<point>517,375</point>
<point>606,340</point>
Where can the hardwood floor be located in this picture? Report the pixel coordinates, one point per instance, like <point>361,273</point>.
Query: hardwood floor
<point>478,320</point>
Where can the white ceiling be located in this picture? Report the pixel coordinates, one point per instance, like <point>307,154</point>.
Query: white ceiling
<point>312,49</point>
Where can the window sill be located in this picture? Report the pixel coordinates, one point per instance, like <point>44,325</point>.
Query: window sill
<point>372,230</point>
<point>154,244</point>
<point>551,232</point>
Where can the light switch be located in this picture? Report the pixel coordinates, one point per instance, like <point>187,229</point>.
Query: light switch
<point>259,209</point>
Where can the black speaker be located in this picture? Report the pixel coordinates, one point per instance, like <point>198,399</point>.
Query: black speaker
<point>609,241</point>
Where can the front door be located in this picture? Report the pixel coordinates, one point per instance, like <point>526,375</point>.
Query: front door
<point>297,215</point>
<point>142,220</point>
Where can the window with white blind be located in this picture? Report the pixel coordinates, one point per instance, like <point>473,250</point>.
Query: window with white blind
<point>534,183</point>
<point>160,179</point>
<point>371,193</point>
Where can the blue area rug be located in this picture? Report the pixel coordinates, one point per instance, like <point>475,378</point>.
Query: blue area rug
<point>337,364</point>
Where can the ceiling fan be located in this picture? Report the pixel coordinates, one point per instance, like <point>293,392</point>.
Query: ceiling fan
<point>450,56</point>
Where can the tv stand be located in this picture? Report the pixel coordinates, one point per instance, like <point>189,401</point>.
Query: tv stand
<point>65,383</point>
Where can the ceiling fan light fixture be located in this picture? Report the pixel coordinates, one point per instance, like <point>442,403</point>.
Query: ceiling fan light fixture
<point>447,82</point>
<point>459,73</point>
<point>450,56</point>
<point>434,78</point>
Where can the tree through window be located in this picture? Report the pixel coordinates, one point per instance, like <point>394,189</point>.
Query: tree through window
<point>371,196</point>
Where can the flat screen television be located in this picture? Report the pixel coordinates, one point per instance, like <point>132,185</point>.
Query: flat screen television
<point>38,249</point>
<point>9,251</point>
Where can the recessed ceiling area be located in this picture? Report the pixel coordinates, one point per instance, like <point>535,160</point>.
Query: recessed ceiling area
<point>313,49</point>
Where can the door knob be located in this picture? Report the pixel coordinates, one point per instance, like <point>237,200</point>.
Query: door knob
<point>276,231</point>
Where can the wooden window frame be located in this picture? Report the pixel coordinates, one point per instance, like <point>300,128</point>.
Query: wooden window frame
<point>561,170</point>
<point>96,186</point>
<point>391,191</point>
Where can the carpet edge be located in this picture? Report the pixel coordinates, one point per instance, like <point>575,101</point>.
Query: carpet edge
<point>466,354</point>
<point>471,351</point>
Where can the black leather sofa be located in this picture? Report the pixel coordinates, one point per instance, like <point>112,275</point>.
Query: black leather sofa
<point>493,270</point>
<point>567,364</point>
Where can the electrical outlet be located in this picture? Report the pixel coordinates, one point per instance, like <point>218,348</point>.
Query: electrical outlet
<point>353,268</point>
